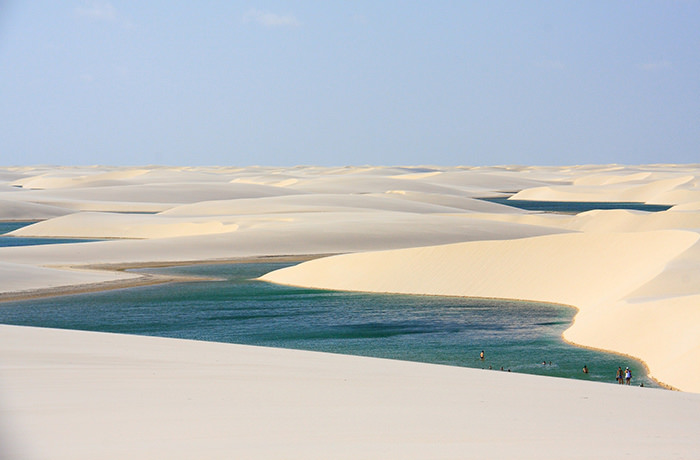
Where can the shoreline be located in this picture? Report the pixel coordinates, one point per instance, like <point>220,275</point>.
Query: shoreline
<point>663,385</point>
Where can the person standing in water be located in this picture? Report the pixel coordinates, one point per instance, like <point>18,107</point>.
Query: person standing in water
<point>481,355</point>
<point>628,375</point>
<point>585,369</point>
<point>618,375</point>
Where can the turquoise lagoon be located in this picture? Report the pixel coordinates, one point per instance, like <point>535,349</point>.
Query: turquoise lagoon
<point>515,336</point>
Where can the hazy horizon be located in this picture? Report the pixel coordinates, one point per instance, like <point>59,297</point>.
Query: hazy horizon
<point>352,83</point>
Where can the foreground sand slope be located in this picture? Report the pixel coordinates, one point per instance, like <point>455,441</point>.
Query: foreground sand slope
<point>75,395</point>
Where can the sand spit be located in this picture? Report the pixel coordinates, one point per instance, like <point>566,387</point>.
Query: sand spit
<point>83,280</point>
<point>25,278</point>
<point>634,276</point>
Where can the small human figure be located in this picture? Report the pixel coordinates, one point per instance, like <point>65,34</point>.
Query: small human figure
<point>481,355</point>
<point>618,375</point>
<point>544,363</point>
<point>585,369</point>
<point>628,375</point>
<point>550,363</point>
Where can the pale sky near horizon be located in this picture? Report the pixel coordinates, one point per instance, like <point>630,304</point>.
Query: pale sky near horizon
<point>349,83</point>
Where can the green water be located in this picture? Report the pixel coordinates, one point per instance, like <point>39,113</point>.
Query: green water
<point>514,335</point>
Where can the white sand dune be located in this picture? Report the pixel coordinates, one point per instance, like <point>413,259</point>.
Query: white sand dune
<point>604,221</point>
<point>371,184</point>
<point>306,203</point>
<point>104,225</point>
<point>655,192</point>
<point>555,268</point>
<point>634,276</point>
<point>481,180</point>
<point>458,202</point>
<point>633,221</point>
<point>689,206</point>
<point>19,210</point>
<point>180,193</point>
<point>68,180</point>
<point>292,234</point>
<point>143,192</point>
<point>678,196</point>
<point>608,179</point>
<point>73,205</point>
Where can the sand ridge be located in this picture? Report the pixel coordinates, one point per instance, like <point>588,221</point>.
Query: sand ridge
<point>111,396</point>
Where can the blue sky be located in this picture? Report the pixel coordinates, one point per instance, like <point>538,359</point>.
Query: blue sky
<point>349,83</point>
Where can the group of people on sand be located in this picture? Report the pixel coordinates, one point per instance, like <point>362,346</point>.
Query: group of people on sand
<point>623,376</point>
